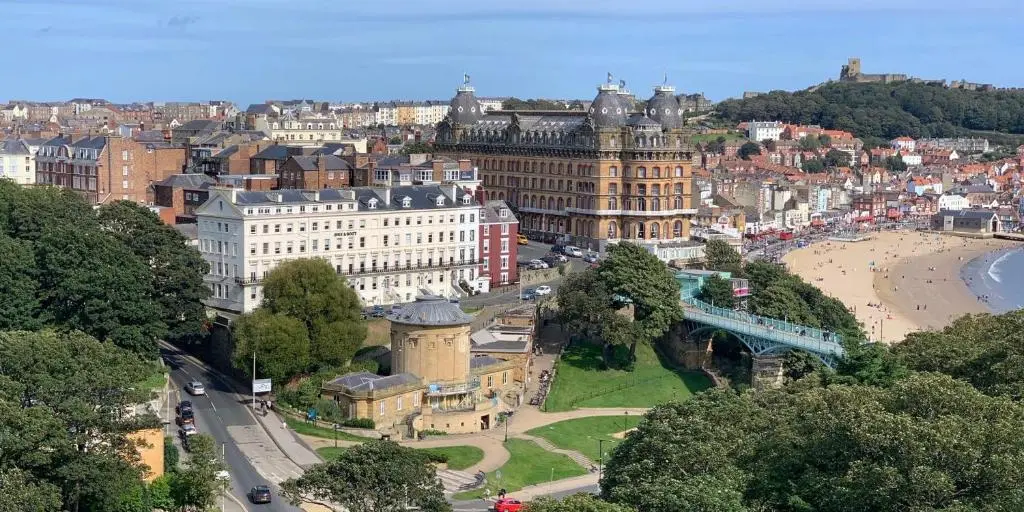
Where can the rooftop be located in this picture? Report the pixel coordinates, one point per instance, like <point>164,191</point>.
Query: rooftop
<point>366,381</point>
<point>431,310</point>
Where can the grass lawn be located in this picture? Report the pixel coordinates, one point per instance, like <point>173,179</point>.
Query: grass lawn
<point>322,430</point>
<point>378,332</point>
<point>459,457</point>
<point>154,382</point>
<point>582,434</point>
<point>469,310</point>
<point>581,382</point>
<point>529,464</point>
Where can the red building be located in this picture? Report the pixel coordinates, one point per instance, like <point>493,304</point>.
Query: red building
<point>499,249</point>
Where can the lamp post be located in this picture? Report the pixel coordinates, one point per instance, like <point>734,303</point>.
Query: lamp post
<point>336,435</point>
<point>625,424</point>
<point>600,459</point>
<point>253,380</point>
<point>507,417</point>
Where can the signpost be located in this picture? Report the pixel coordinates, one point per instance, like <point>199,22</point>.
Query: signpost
<point>261,386</point>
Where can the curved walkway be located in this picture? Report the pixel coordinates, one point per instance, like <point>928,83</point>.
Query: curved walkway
<point>526,418</point>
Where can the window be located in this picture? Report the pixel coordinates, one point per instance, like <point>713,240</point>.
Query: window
<point>504,229</point>
<point>398,404</point>
<point>266,247</point>
<point>124,184</point>
<point>277,247</point>
<point>504,245</point>
<point>252,248</point>
<point>124,170</point>
<point>490,381</point>
<point>252,229</point>
<point>504,262</point>
<point>277,228</point>
<point>288,229</point>
<point>124,155</point>
<point>504,377</point>
<point>266,227</point>
<point>382,406</point>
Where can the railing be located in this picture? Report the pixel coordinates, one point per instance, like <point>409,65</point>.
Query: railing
<point>800,336</point>
<point>383,270</point>
<point>452,388</point>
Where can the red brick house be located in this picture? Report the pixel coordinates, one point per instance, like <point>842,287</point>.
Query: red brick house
<point>499,248</point>
<point>315,172</point>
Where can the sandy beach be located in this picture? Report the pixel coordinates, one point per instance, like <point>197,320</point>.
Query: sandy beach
<point>896,282</point>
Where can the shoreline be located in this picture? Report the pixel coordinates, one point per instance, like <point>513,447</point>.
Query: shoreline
<point>914,279</point>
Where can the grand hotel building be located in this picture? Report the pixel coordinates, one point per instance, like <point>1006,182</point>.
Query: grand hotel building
<point>616,172</point>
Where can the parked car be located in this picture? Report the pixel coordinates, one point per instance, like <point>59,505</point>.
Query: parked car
<point>183,407</point>
<point>591,257</point>
<point>572,250</point>
<point>186,418</point>
<point>260,494</point>
<point>522,240</point>
<point>551,261</point>
<point>560,258</point>
<point>528,294</point>
<point>538,264</point>
<point>377,312</point>
<point>187,430</point>
<point>543,290</point>
<point>508,505</point>
<point>195,388</point>
<point>558,249</point>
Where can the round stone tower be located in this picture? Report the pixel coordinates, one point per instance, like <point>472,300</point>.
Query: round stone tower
<point>430,339</point>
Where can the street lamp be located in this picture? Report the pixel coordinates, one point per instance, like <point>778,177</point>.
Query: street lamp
<point>336,427</point>
<point>600,459</point>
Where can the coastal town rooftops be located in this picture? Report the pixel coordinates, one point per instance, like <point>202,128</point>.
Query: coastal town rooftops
<point>188,181</point>
<point>330,163</point>
<point>430,310</point>
<point>13,147</point>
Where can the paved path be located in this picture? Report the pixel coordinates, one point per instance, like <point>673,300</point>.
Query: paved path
<point>576,456</point>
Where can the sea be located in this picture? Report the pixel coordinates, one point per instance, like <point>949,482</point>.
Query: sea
<point>997,276</point>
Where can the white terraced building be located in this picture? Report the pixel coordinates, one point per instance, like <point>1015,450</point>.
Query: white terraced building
<point>392,243</point>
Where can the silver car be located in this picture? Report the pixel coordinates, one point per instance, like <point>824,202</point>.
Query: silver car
<point>195,388</point>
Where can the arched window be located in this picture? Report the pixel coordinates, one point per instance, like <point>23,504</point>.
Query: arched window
<point>641,172</point>
<point>560,167</point>
<point>533,201</point>
<point>533,166</point>
<point>678,189</point>
<point>641,190</point>
<point>655,204</point>
<point>678,203</point>
<point>568,169</point>
<point>640,230</point>
<point>655,230</point>
<point>613,231</point>
<point>679,172</point>
<point>551,203</point>
<point>613,203</point>
<point>627,172</point>
<point>656,172</point>
<point>561,204</point>
<point>613,171</point>
<point>655,190</point>
<point>677,229</point>
<point>641,204</point>
<point>543,167</point>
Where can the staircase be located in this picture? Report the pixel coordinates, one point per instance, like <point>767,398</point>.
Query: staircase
<point>577,457</point>
<point>457,481</point>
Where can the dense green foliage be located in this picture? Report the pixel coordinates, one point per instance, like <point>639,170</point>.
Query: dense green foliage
<point>717,291</point>
<point>748,150</point>
<point>63,434</point>
<point>888,111</point>
<point>376,476</point>
<point>927,442</point>
<point>984,350</point>
<point>776,293</point>
<point>119,275</point>
<point>720,256</point>
<point>310,319</point>
<point>535,104</point>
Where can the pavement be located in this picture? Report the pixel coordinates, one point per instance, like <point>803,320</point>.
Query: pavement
<point>557,489</point>
<point>248,450</point>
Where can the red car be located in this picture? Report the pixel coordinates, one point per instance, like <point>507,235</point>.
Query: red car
<point>508,505</point>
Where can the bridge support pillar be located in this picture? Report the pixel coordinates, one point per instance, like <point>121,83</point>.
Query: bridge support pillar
<point>767,372</point>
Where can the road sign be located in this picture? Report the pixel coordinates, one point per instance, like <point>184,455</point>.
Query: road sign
<point>261,386</point>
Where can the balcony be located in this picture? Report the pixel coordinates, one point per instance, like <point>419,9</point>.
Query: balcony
<point>453,388</point>
<point>244,281</point>
<point>635,213</point>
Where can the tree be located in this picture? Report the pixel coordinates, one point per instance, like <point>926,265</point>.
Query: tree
<point>813,165</point>
<point>927,442</point>
<point>584,303</point>
<point>769,144</point>
<point>985,350</point>
<point>160,492</point>
<point>176,269</point>
<point>280,342</point>
<point>716,146</point>
<point>111,298</point>
<point>748,149</point>
<point>895,164</point>
<point>22,493</point>
<point>636,274</point>
<point>71,437</point>
<point>797,364</point>
<point>825,140</point>
<point>837,158</point>
<point>309,291</point>
<point>196,486</point>
<point>376,476</point>
<point>719,255</point>
<point>718,291</point>
<point>870,363</point>
<point>414,148</point>
<point>19,302</point>
<point>171,455</point>
<point>580,502</point>
<point>809,143</point>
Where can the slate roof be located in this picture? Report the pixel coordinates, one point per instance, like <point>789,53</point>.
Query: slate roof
<point>491,213</point>
<point>968,214</point>
<point>226,152</point>
<point>260,108</point>
<point>91,143</point>
<point>483,361</point>
<point>366,381</point>
<point>430,310</point>
<point>189,181</point>
<point>13,147</point>
<point>423,197</point>
<point>311,163</point>
<point>486,341</point>
<point>200,125</point>
<point>275,152</point>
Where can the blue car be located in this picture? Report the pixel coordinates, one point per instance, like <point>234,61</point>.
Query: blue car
<point>528,294</point>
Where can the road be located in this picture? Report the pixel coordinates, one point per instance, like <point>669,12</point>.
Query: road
<point>534,250</point>
<point>219,413</point>
<point>483,506</point>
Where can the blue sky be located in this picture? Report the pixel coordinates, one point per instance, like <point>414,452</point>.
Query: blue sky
<point>251,50</point>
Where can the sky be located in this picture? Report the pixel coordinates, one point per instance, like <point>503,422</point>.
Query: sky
<point>248,51</point>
